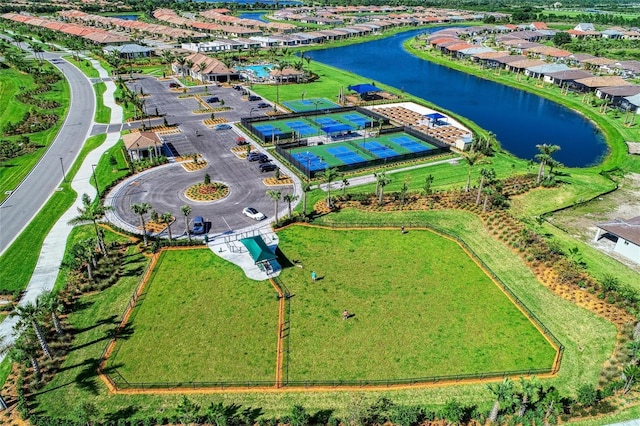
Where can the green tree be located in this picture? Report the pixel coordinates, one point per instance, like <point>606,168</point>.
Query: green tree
<point>141,209</point>
<point>561,38</point>
<point>30,315</point>
<point>306,187</point>
<point>299,416</point>
<point>290,198</point>
<point>544,157</point>
<point>188,411</point>
<point>328,177</point>
<point>503,393</point>
<point>217,414</point>
<point>587,395</point>
<point>345,184</point>
<point>630,375</point>
<point>488,175</point>
<point>471,159</point>
<point>25,351</point>
<point>382,180</point>
<point>168,219</point>
<point>452,412</point>
<point>428,181</point>
<point>528,391</point>
<point>275,196</point>
<point>52,304</point>
<point>186,211</point>
<point>92,212</point>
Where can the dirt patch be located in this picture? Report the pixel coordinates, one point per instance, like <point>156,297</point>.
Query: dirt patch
<point>580,221</point>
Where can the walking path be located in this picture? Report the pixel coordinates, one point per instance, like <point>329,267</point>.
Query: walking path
<point>363,180</point>
<point>48,265</point>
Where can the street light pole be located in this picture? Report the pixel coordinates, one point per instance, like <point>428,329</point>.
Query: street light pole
<point>95,179</point>
<point>64,177</point>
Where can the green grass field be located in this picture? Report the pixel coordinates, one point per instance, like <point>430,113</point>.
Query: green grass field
<point>208,321</point>
<point>421,307</point>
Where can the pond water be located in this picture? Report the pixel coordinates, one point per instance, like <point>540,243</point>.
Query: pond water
<point>127,17</point>
<point>519,119</point>
<point>254,15</point>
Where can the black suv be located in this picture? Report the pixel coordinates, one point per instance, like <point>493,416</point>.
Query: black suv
<point>256,156</point>
<point>254,98</point>
<point>267,167</point>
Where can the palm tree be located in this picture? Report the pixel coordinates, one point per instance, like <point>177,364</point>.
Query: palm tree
<point>181,60</point>
<point>25,351</point>
<point>630,376</point>
<point>471,158</point>
<point>544,157</point>
<point>92,212</point>
<point>290,198</point>
<point>30,315</point>
<point>51,303</point>
<point>201,68</point>
<point>345,183</point>
<point>383,180</point>
<point>168,57</point>
<point>186,211</point>
<point>275,196</point>
<point>329,176</point>
<point>485,174</point>
<point>141,209</point>
<point>168,219</point>
<point>306,187</point>
<point>189,64</point>
<point>83,253</point>
<point>529,389</point>
<point>503,392</point>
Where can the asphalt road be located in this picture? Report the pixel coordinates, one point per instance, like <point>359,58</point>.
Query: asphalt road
<point>163,188</point>
<point>28,198</point>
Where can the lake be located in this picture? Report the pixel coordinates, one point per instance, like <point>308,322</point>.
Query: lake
<point>519,119</point>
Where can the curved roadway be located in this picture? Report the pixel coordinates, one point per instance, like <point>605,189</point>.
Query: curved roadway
<point>33,192</point>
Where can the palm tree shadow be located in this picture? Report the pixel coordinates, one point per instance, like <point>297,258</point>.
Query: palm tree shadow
<point>122,413</point>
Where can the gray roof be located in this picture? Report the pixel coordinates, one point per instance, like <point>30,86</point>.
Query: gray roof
<point>626,229</point>
<point>570,74</point>
<point>634,100</point>
<point>548,68</point>
<point>474,50</point>
<point>129,48</point>
<point>620,90</point>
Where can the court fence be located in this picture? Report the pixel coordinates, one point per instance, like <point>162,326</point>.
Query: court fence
<point>121,383</point>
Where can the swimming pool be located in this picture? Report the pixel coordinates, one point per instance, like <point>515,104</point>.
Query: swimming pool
<point>260,71</point>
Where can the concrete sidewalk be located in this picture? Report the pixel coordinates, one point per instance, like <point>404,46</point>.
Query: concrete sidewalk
<point>46,271</point>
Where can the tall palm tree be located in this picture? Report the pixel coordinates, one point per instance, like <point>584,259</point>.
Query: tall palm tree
<point>471,159</point>
<point>25,350</point>
<point>383,180</point>
<point>201,66</point>
<point>186,211</point>
<point>545,155</point>
<point>30,315</point>
<point>289,198</point>
<point>52,304</point>
<point>189,64</point>
<point>329,176</point>
<point>181,60</point>
<point>275,196</point>
<point>485,175</point>
<point>141,209</point>
<point>306,187</point>
<point>83,253</point>
<point>528,390</point>
<point>503,392</point>
<point>168,219</point>
<point>92,211</point>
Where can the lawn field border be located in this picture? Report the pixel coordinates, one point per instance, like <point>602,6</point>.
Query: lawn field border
<point>117,384</point>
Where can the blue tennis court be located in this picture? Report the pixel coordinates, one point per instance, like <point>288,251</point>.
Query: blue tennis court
<point>411,145</point>
<point>345,155</point>
<point>377,149</point>
<point>268,130</point>
<point>357,119</point>
<point>309,159</point>
<point>326,121</point>
<point>301,127</point>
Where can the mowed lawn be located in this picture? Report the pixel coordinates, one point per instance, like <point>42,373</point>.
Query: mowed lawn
<point>421,307</point>
<point>201,319</point>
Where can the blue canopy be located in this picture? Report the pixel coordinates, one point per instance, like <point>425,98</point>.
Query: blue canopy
<point>364,88</point>
<point>334,128</point>
<point>435,116</point>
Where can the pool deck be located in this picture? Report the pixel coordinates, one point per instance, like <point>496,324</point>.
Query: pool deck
<point>420,110</point>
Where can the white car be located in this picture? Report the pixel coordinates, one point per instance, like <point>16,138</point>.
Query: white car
<point>253,213</point>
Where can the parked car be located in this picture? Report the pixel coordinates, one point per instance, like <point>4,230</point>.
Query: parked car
<point>253,213</point>
<point>241,141</point>
<point>238,87</point>
<point>198,226</point>
<point>263,105</point>
<point>213,99</point>
<point>222,126</point>
<point>267,167</point>
<point>264,159</point>
<point>256,156</point>
<point>254,98</point>
<point>174,85</point>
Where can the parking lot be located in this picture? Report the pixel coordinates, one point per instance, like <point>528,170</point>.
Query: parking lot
<point>163,187</point>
